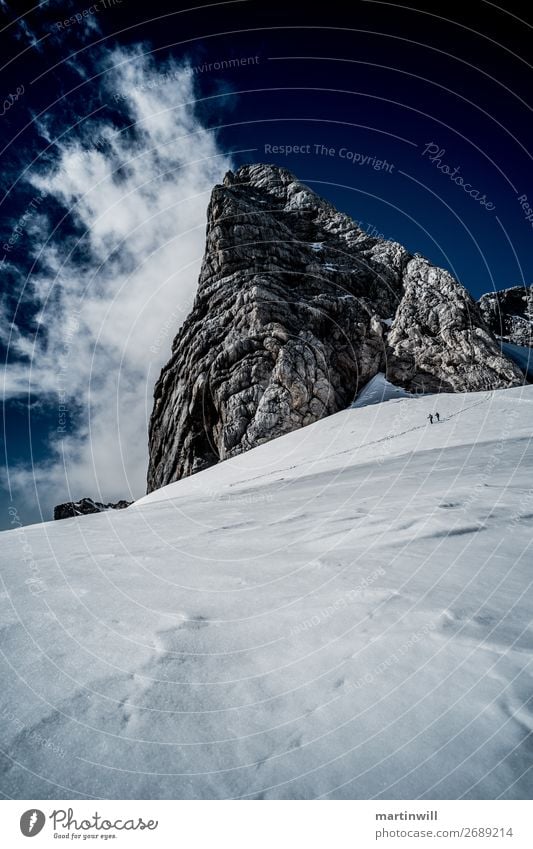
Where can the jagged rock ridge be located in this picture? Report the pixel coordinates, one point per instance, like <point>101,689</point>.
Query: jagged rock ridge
<point>85,506</point>
<point>297,309</point>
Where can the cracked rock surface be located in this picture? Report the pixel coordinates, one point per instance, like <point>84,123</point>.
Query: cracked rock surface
<point>297,309</point>
<point>439,341</point>
<point>509,314</point>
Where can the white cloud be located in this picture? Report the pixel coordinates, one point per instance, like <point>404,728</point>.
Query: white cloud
<point>108,310</point>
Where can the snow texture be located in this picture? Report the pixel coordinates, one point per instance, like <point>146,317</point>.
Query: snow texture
<point>342,612</point>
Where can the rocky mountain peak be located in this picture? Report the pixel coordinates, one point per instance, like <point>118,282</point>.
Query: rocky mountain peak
<point>297,309</point>
<point>86,506</point>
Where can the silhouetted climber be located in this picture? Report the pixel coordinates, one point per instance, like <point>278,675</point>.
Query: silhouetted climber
<point>430,417</point>
<point>437,417</point>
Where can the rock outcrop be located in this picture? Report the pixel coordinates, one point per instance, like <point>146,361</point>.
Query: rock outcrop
<point>439,341</point>
<point>86,506</point>
<point>297,309</point>
<point>509,314</point>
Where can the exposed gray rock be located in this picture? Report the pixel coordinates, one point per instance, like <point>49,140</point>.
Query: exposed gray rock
<point>438,339</point>
<point>509,314</point>
<point>292,319</point>
<point>86,506</point>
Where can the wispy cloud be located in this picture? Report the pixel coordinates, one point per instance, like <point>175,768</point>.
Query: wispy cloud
<point>102,298</point>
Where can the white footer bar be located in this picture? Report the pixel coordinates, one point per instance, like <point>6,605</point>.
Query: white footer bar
<point>268,824</point>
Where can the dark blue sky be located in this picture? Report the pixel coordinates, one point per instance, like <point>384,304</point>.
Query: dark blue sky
<point>386,109</point>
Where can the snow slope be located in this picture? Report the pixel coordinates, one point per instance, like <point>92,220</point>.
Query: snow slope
<point>377,390</point>
<point>343,612</point>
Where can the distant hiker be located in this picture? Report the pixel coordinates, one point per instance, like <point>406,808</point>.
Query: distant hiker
<point>437,417</point>
<point>430,417</point>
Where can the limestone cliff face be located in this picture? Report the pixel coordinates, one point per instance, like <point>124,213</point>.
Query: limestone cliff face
<point>509,314</point>
<point>439,341</point>
<point>293,317</point>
